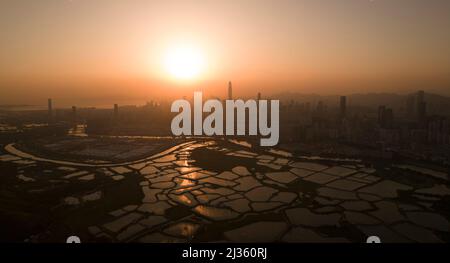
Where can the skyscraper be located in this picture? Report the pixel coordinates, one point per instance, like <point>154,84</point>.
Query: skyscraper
<point>50,109</point>
<point>389,118</point>
<point>381,110</point>
<point>385,117</point>
<point>116,111</point>
<point>230,91</point>
<point>320,107</point>
<point>422,111</point>
<point>343,107</point>
<point>420,97</point>
<point>410,106</point>
<point>421,106</point>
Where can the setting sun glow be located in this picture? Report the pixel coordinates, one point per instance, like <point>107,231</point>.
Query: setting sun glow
<point>184,62</point>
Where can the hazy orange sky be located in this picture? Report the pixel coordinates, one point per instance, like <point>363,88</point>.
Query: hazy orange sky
<point>93,51</point>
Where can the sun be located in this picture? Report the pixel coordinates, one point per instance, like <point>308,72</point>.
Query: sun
<point>184,62</point>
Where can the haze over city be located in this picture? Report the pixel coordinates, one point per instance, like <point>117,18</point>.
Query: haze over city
<point>238,121</point>
<point>99,52</point>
